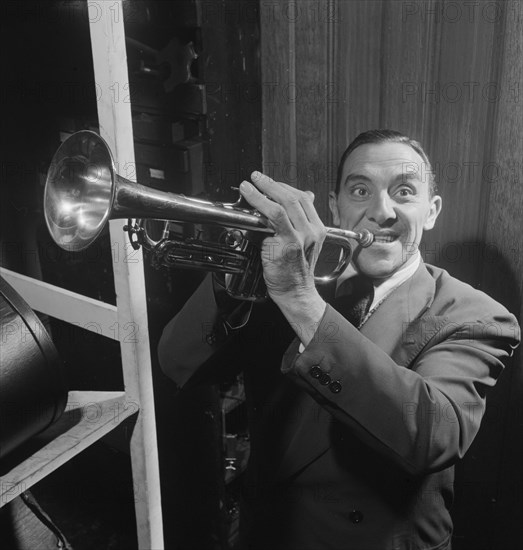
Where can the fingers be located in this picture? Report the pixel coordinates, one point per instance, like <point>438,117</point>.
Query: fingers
<point>274,212</point>
<point>280,191</point>
<point>298,205</point>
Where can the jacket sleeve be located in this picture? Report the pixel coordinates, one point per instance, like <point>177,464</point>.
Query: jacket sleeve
<point>195,346</point>
<point>423,417</point>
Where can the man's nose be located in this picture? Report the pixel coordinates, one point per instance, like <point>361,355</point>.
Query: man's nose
<point>381,209</point>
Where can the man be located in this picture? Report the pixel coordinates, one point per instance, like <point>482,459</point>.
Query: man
<point>355,432</point>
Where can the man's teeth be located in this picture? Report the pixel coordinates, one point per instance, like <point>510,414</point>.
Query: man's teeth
<point>384,238</point>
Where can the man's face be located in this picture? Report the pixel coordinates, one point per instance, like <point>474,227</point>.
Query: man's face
<point>385,188</point>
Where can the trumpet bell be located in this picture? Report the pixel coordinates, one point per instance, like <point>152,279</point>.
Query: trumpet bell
<point>79,191</point>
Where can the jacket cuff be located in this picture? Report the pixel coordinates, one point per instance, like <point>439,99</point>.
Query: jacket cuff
<point>310,365</point>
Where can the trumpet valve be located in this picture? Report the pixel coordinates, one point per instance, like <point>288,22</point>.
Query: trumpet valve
<point>233,238</point>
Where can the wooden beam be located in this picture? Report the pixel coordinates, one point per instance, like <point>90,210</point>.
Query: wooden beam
<point>65,305</point>
<point>114,117</point>
<point>88,416</point>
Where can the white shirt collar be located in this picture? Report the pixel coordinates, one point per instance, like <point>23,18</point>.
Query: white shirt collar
<point>404,273</point>
<point>386,287</point>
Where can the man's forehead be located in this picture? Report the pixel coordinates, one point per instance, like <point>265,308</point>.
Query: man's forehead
<point>374,157</point>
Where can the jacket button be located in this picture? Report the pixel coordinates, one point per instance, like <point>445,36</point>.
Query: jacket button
<point>315,371</point>
<point>335,387</point>
<point>324,379</point>
<point>356,516</point>
<point>217,335</point>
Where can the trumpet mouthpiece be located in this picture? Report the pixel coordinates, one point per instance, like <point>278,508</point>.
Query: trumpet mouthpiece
<point>366,238</point>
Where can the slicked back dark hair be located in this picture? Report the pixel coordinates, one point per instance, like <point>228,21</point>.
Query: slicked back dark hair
<point>387,136</point>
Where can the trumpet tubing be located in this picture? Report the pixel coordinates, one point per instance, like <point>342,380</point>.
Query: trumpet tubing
<point>83,191</point>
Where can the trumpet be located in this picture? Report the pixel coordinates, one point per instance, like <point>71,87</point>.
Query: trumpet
<point>83,192</point>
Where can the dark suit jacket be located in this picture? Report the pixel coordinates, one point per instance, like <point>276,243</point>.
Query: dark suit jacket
<point>359,452</point>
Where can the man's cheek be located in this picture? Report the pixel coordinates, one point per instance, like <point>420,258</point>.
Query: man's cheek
<point>350,221</point>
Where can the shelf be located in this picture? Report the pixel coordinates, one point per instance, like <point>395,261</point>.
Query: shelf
<point>88,416</point>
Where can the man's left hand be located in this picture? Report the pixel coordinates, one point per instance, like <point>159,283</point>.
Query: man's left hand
<point>289,256</point>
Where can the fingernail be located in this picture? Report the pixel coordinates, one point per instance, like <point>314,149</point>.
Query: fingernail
<point>246,187</point>
<point>256,175</point>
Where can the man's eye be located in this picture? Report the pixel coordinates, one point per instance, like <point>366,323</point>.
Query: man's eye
<point>405,192</point>
<point>360,192</point>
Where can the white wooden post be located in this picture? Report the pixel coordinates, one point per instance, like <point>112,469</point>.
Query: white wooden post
<point>114,117</point>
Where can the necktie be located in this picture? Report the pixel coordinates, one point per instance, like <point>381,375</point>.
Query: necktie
<point>354,298</point>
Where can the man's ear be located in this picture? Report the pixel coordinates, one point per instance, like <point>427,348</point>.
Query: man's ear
<point>333,205</point>
<point>435,209</point>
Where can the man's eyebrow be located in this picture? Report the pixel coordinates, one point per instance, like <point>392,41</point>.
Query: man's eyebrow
<point>356,177</point>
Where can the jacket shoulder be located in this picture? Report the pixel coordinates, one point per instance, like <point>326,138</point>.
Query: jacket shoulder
<point>455,298</point>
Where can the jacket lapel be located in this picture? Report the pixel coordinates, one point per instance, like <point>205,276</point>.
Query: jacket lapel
<point>399,325</point>
<point>400,328</point>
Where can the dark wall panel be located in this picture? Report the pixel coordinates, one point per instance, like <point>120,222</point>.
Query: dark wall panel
<point>502,273</point>
<point>448,73</point>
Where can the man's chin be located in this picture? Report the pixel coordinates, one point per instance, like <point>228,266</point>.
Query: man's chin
<point>375,268</point>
